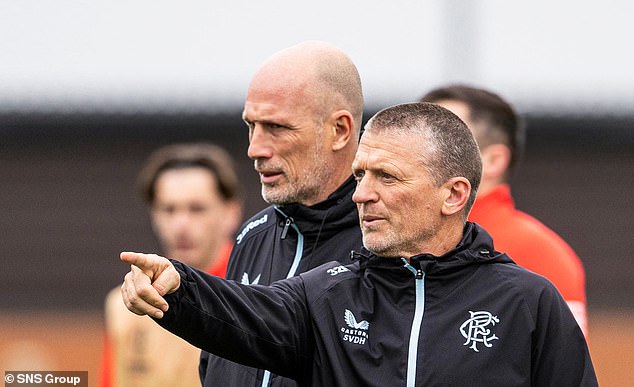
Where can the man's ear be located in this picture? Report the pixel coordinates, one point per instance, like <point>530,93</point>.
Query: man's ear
<point>457,191</point>
<point>495,162</point>
<point>342,129</point>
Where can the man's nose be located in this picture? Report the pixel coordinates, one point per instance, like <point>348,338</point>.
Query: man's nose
<point>365,191</point>
<point>181,219</point>
<point>259,144</point>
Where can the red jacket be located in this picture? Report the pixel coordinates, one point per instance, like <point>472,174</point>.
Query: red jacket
<point>533,246</point>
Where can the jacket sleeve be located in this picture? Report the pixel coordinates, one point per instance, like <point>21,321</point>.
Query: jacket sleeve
<point>560,354</point>
<point>258,326</point>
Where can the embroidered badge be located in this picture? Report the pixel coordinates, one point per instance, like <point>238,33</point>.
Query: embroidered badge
<point>476,329</point>
<point>357,332</point>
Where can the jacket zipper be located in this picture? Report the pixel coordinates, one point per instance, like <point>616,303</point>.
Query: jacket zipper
<point>412,355</point>
<point>299,249</point>
<point>288,222</point>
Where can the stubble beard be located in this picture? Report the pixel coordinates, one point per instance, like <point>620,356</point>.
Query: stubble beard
<point>301,189</point>
<point>394,244</point>
<point>379,244</point>
<point>298,190</point>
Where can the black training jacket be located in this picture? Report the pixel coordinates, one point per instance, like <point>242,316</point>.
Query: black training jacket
<point>277,243</point>
<point>468,318</point>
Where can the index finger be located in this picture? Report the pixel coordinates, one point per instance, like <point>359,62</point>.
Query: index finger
<point>139,260</point>
<point>160,270</point>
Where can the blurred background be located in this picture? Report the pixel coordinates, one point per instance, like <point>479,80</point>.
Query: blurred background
<point>89,88</point>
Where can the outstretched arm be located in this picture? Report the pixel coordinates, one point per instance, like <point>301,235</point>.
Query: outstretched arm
<point>150,278</point>
<point>259,326</point>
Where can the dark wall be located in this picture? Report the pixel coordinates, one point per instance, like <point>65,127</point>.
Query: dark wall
<point>69,202</point>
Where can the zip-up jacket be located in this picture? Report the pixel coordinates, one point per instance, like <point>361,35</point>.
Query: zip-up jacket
<point>470,317</point>
<point>277,243</point>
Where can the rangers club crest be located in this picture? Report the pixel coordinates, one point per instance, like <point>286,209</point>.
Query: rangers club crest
<point>477,329</point>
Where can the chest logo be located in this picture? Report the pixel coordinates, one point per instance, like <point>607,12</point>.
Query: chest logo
<point>245,279</point>
<point>337,270</point>
<point>355,332</point>
<point>250,227</point>
<point>477,329</point>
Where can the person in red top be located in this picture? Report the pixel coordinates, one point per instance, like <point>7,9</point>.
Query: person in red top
<point>193,196</point>
<point>529,242</point>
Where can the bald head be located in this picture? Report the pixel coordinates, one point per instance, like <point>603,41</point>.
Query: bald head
<point>315,70</point>
<point>304,108</point>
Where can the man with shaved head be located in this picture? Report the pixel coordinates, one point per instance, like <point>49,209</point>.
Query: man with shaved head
<point>304,110</point>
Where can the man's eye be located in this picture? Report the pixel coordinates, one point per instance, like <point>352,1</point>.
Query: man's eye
<point>358,175</point>
<point>387,177</point>
<point>197,209</point>
<point>168,210</point>
<point>274,126</point>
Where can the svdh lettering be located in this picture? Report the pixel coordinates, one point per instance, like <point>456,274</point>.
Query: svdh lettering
<point>354,339</point>
<point>48,378</point>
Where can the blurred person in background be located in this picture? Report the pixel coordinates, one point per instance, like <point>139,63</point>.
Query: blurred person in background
<point>303,110</point>
<point>192,193</point>
<point>531,244</point>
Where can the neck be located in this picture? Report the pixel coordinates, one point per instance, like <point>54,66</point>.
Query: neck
<point>445,240</point>
<point>337,177</point>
